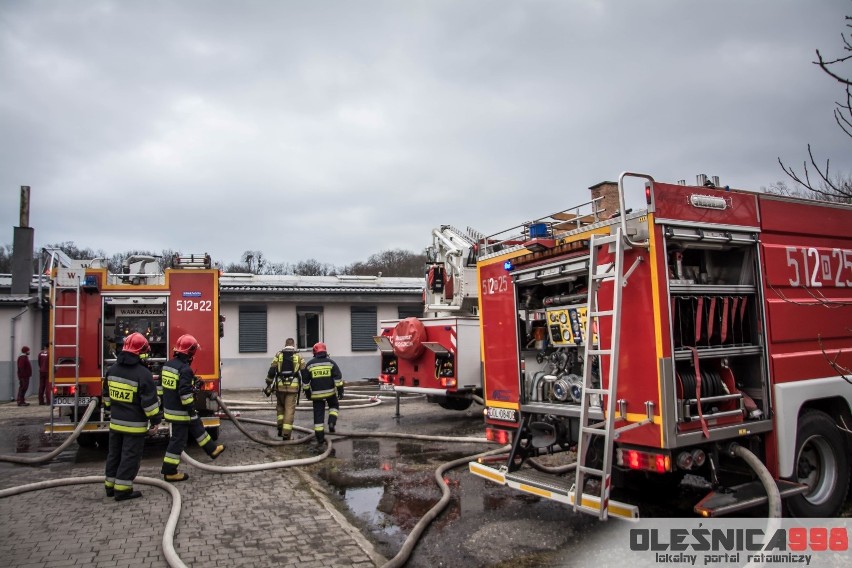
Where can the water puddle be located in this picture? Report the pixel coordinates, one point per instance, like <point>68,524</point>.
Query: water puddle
<point>389,485</point>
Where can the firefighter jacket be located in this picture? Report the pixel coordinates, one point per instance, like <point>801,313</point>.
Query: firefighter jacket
<point>322,376</point>
<point>178,382</point>
<point>285,370</point>
<point>131,396</point>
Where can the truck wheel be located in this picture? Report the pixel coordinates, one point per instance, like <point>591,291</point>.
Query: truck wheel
<point>214,433</point>
<point>451,403</point>
<point>822,464</point>
<point>92,440</point>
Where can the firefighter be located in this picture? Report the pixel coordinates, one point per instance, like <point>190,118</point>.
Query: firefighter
<point>179,385</point>
<point>132,399</point>
<point>283,379</point>
<point>322,382</point>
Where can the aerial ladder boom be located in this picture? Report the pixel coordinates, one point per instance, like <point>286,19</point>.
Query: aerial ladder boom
<point>450,269</point>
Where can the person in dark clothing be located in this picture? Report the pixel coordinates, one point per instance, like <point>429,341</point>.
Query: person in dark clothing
<point>322,382</point>
<point>178,382</point>
<point>131,397</point>
<point>43,376</point>
<point>25,371</point>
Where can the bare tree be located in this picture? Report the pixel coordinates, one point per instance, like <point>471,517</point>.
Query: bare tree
<point>252,262</point>
<point>818,179</point>
<point>313,267</point>
<point>6,259</point>
<point>397,262</point>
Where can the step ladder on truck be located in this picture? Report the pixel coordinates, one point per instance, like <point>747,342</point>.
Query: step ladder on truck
<point>669,340</point>
<point>92,310</point>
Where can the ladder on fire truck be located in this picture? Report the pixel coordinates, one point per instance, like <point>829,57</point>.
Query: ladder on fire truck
<point>605,429</point>
<point>67,286</point>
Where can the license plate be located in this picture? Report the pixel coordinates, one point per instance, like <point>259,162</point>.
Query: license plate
<point>385,387</point>
<point>69,401</point>
<point>505,414</point>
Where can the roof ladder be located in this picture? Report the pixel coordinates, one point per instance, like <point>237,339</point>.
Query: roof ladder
<point>65,319</point>
<point>605,429</point>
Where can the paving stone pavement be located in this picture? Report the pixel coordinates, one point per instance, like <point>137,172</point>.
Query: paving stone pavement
<point>278,517</point>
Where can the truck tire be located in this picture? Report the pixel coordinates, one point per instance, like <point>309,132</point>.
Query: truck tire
<point>214,433</point>
<point>453,403</point>
<point>822,464</point>
<point>89,440</point>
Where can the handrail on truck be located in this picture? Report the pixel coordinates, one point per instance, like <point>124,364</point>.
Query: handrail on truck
<point>623,209</point>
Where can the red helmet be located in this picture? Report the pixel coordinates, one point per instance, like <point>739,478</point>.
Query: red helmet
<point>135,343</point>
<point>187,344</point>
<point>320,348</point>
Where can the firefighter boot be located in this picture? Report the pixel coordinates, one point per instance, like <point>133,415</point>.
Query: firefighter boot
<point>175,477</point>
<point>286,434</point>
<point>280,431</point>
<point>125,495</point>
<point>332,423</point>
<point>320,439</point>
<point>216,451</point>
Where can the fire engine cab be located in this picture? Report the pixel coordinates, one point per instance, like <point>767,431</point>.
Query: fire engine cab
<point>706,329</point>
<point>92,310</point>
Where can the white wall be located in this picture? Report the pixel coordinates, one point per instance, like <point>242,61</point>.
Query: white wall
<point>247,370</point>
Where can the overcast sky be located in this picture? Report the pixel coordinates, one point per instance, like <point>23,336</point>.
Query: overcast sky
<point>337,129</point>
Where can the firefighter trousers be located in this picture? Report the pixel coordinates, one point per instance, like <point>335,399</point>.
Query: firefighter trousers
<point>123,460</point>
<point>319,414</point>
<point>286,411</point>
<point>181,431</point>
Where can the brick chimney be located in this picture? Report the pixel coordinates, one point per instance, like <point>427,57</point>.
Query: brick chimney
<point>22,248</point>
<point>608,190</point>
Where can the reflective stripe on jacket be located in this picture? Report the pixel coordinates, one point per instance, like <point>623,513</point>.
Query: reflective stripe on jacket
<point>131,396</point>
<point>288,381</point>
<point>177,380</point>
<point>322,376</point>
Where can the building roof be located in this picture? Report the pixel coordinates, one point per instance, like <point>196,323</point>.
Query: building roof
<point>248,284</point>
<point>6,282</point>
<point>343,284</point>
<point>16,299</point>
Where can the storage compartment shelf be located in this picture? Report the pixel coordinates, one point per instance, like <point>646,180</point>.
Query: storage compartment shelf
<point>717,352</point>
<point>711,290</point>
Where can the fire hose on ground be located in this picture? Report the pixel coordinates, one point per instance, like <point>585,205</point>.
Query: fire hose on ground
<point>772,494</point>
<point>411,541</point>
<point>168,537</point>
<point>169,533</point>
<point>47,457</point>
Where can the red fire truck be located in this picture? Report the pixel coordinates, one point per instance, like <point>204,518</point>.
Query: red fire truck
<point>92,310</point>
<point>439,354</point>
<point>710,325</point>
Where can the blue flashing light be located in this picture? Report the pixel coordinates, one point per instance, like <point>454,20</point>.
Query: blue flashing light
<point>508,265</point>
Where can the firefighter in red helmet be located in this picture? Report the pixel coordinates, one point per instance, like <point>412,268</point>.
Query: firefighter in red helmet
<point>322,382</point>
<point>131,396</point>
<point>179,385</point>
